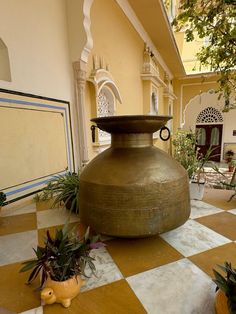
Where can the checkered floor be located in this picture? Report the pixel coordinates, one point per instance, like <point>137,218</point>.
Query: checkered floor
<point>166,274</point>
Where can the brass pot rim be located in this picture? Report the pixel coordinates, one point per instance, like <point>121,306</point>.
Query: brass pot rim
<point>132,123</point>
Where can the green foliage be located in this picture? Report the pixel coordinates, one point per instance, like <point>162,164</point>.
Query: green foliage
<point>2,198</point>
<point>186,153</point>
<point>62,256</point>
<point>63,188</point>
<point>227,284</point>
<point>214,20</point>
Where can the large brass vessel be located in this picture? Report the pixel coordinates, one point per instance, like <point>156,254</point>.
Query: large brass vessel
<point>133,189</point>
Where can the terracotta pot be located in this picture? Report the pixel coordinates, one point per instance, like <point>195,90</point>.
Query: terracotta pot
<point>61,291</point>
<point>221,305</point>
<point>231,168</point>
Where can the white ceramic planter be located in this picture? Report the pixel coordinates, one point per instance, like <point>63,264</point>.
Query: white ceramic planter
<point>196,190</point>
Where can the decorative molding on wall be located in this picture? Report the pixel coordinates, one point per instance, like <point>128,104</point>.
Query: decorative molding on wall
<point>209,115</point>
<point>32,106</point>
<point>80,81</point>
<point>129,12</point>
<point>106,94</point>
<point>150,70</point>
<point>87,23</point>
<point>182,112</point>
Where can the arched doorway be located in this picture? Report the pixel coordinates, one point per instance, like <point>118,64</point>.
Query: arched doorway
<point>209,128</point>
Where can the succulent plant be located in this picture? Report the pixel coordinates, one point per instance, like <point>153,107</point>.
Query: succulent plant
<point>227,284</point>
<point>2,198</point>
<point>62,256</point>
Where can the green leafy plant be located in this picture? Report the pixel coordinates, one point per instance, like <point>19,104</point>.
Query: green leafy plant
<point>62,256</point>
<point>2,198</point>
<point>214,21</point>
<point>227,284</point>
<point>186,153</point>
<point>62,188</point>
<point>232,163</point>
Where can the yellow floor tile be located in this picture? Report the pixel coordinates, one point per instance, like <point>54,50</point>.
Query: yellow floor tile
<point>42,205</point>
<point>224,223</point>
<point>219,198</point>
<point>137,255</point>
<point>210,259</point>
<point>19,223</point>
<point>117,298</point>
<point>15,295</point>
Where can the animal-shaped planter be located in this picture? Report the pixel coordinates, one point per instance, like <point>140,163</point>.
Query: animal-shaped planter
<point>61,291</point>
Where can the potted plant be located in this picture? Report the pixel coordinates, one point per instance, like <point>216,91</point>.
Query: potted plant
<point>2,199</point>
<point>188,156</point>
<point>225,302</point>
<point>60,262</point>
<point>62,188</point>
<point>231,165</point>
<point>229,155</point>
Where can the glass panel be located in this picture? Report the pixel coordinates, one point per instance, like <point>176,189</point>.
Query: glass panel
<point>201,136</point>
<point>215,136</point>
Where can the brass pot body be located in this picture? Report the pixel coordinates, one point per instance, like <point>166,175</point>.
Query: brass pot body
<point>133,189</point>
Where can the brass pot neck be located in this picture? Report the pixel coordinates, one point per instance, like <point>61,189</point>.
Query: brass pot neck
<point>124,140</point>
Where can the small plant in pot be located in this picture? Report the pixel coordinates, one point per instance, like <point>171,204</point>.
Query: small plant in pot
<point>225,302</point>
<point>231,165</point>
<point>61,262</point>
<point>2,199</point>
<point>63,189</point>
<point>229,155</point>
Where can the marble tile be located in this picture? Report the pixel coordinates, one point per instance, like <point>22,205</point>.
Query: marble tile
<point>17,247</point>
<point>218,223</point>
<point>134,256</point>
<point>53,217</point>
<point>192,238</point>
<point>19,223</point>
<point>15,294</point>
<point>175,288</point>
<point>116,297</point>
<point>106,270</point>
<point>30,208</point>
<point>209,260</point>
<point>232,211</point>
<point>38,310</point>
<point>200,209</point>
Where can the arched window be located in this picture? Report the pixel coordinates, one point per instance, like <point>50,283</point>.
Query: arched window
<point>5,73</point>
<point>209,115</point>
<point>105,108</point>
<point>154,103</point>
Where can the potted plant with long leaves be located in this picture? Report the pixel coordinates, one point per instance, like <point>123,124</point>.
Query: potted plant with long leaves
<point>62,189</point>
<point>2,199</point>
<point>225,302</point>
<point>187,154</point>
<point>61,262</point>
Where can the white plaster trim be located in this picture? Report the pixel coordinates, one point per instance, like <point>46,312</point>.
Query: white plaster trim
<point>182,114</point>
<point>87,23</point>
<point>154,79</point>
<point>113,87</point>
<point>129,12</point>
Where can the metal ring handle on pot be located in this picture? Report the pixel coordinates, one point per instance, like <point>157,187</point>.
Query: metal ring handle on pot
<point>168,136</point>
<point>92,128</point>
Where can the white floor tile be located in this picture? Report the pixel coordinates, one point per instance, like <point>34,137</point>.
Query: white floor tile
<point>192,238</point>
<point>106,270</point>
<point>38,310</point>
<point>30,208</point>
<point>53,217</point>
<point>175,288</point>
<point>201,209</point>
<point>17,247</point>
<point>232,211</point>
